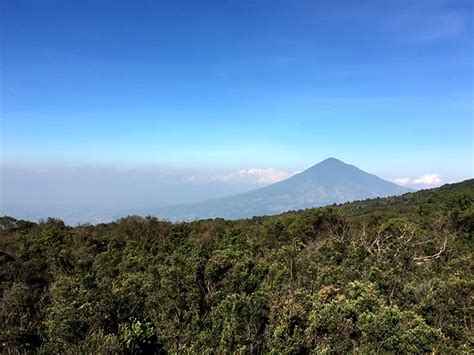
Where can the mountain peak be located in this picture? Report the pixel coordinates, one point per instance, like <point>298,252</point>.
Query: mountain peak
<point>331,160</point>
<point>329,165</point>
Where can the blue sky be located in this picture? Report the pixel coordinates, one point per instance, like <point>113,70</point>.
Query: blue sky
<point>231,85</point>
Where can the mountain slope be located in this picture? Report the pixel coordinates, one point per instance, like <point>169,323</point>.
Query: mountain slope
<point>330,181</point>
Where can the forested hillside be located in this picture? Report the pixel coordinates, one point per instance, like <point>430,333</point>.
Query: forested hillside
<point>375,276</point>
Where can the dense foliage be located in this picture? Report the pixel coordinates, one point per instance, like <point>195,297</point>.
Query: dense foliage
<point>376,276</point>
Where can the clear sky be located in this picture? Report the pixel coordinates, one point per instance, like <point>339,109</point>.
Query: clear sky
<point>384,85</point>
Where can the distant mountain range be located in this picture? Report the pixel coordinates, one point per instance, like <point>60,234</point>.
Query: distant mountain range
<point>328,182</point>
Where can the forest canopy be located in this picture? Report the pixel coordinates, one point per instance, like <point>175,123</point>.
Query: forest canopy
<point>376,276</point>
